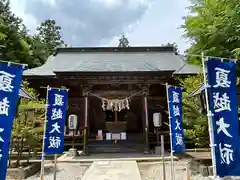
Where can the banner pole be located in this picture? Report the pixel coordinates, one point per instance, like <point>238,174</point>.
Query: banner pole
<point>170,133</point>
<point>188,172</point>
<point>163,160</point>
<point>55,167</point>
<point>43,139</point>
<point>210,124</point>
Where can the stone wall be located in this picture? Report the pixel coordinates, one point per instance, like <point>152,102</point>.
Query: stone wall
<point>23,172</point>
<point>198,168</point>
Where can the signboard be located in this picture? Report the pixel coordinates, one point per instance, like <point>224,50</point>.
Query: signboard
<point>175,105</point>
<point>10,80</point>
<point>224,107</point>
<point>56,113</point>
<point>116,136</point>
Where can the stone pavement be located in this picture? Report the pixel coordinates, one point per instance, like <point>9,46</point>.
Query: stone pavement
<point>114,157</point>
<point>154,170</point>
<point>112,170</point>
<point>65,171</point>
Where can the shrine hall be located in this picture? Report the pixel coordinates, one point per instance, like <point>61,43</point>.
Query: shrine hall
<point>114,93</point>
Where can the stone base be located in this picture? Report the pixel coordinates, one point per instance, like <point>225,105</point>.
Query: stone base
<point>23,173</point>
<point>203,170</point>
<point>72,152</point>
<point>158,150</point>
<point>146,151</point>
<point>210,170</point>
<point>197,168</point>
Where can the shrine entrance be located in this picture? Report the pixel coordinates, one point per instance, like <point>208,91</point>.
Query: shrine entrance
<point>116,125</point>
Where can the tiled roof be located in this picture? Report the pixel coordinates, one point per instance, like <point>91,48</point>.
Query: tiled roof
<point>101,60</point>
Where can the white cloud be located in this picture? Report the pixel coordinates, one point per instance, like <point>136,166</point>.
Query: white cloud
<point>101,22</point>
<point>160,25</point>
<point>29,20</point>
<point>85,22</point>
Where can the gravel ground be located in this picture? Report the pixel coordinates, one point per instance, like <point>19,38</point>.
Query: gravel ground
<point>153,171</point>
<point>208,178</point>
<point>199,177</point>
<point>148,171</point>
<point>65,171</point>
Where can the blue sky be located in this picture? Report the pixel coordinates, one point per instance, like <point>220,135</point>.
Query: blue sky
<point>101,22</point>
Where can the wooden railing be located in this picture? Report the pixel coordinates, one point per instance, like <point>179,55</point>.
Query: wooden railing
<point>152,138</point>
<point>78,139</point>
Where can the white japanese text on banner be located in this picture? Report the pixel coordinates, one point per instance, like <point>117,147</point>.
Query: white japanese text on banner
<point>175,105</point>
<point>56,115</point>
<point>223,104</point>
<point>10,81</point>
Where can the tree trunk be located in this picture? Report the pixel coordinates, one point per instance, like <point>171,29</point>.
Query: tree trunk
<point>10,155</point>
<point>18,152</point>
<point>29,154</point>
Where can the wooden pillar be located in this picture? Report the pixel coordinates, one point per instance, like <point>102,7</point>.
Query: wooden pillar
<point>146,149</point>
<point>116,120</point>
<point>66,126</point>
<point>85,132</point>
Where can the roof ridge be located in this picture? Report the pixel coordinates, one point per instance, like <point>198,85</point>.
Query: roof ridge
<point>115,49</point>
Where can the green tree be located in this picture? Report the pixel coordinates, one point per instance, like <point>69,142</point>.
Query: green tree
<point>38,51</point>
<point>123,42</point>
<point>12,36</point>
<point>171,45</point>
<point>213,27</point>
<point>16,44</point>
<point>28,125</point>
<point>50,34</point>
<point>195,123</point>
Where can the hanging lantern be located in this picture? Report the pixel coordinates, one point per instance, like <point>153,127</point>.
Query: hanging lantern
<point>157,119</point>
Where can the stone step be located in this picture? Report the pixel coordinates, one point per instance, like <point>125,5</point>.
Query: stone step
<point>110,142</point>
<point>124,147</point>
<point>114,170</point>
<point>111,150</point>
<point>133,146</point>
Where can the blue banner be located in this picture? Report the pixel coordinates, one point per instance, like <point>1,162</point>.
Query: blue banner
<point>175,105</point>
<point>224,106</point>
<point>10,81</point>
<point>56,115</point>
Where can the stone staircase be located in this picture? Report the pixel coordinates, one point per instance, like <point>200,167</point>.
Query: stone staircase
<point>133,144</point>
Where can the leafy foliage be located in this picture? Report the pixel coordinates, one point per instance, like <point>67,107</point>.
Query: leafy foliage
<point>195,123</point>
<point>28,126</point>
<point>19,46</point>
<point>213,27</point>
<point>174,45</point>
<point>13,33</point>
<point>49,34</point>
<point>123,42</point>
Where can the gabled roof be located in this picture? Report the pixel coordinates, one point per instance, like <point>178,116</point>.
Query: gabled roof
<point>114,59</point>
<point>24,94</point>
<point>197,91</point>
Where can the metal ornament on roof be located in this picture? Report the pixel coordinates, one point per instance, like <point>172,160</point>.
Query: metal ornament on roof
<point>115,104</point>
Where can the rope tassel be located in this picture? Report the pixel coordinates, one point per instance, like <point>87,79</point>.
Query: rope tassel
<point>116,104</point>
